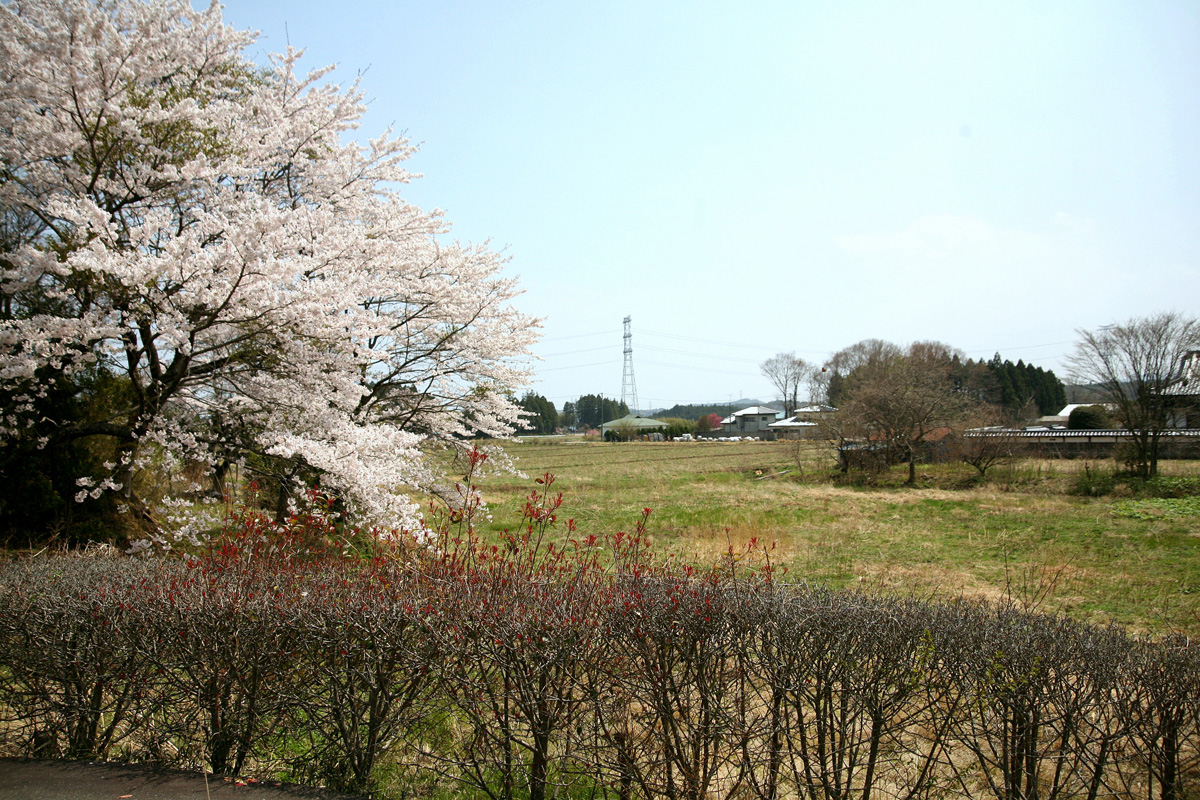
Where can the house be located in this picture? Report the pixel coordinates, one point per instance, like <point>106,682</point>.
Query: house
<point>752,421</point>
<point>794,428</point>
<point>1183,395</point>
<point>804,423</point>
<point>815,412</point>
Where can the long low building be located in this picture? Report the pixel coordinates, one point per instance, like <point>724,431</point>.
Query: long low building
<point>1066,443</point>
<point>630,425</point>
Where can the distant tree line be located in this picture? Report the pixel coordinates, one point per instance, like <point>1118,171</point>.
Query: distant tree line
<point>1020,389</point>
<point>593,410</point>
<point>589,411</point>
<point>694,411</point>
<point>1018,385</point>
<point>540,414</point>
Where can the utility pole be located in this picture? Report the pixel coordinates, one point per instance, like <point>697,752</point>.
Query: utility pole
<point>628,386</point>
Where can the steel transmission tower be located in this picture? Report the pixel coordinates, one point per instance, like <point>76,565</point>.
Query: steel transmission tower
<point>628,386</point>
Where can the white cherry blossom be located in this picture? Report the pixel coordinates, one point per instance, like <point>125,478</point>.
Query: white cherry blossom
<point>203,228</point>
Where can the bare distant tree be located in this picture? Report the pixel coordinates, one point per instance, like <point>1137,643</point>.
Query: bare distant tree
<point>1138,367</point>
<point>835,376</point>
<point>626,431</point>
<point>900,402</point>
<point>787,372</point>
<point>987,441</point>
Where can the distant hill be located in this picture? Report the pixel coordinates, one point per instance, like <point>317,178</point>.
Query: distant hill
<point>1083,393</point>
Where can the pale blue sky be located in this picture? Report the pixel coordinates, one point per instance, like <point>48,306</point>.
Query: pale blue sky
<point>745,179</point>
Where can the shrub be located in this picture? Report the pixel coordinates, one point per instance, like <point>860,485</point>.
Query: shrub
<point>1090,418</point>
<point>549,663</point>
<point>1094,481</point>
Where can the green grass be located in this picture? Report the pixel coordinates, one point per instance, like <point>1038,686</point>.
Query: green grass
<point>1022,533</point>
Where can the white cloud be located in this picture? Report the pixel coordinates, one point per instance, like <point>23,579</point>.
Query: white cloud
<point>929,236</point>
<point>971,282</point>
<point>964,250</point>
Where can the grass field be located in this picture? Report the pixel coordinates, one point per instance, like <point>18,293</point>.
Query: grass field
<point>1023,533</point>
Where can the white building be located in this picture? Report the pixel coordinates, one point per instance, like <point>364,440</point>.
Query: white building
<point>752,421</point>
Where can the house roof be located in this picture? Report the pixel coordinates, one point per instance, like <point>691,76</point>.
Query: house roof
<point>754,410</point>
<point>937,434</point>
<point>792,422</point>
<point>1188,384</point>
<point>816,408</point>
<point>634,421</point>
<point>1110,434</point>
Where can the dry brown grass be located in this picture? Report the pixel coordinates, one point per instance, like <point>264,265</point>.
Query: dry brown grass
<point>1020,534</point>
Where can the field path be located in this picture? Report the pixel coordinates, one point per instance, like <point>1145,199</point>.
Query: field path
<point>29,779</point>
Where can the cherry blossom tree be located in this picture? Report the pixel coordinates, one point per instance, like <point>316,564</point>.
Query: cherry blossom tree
<point>201,228</point>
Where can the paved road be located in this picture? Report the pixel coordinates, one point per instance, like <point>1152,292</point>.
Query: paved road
<point>27,779</point>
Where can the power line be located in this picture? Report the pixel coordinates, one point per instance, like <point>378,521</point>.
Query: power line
<point>578,336</point>
<point>762,348</point>
<point>707,370</point>
<point>578,366</point>
<point>574,352</point>
<point>700,355</point>
<point>727,343</point>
